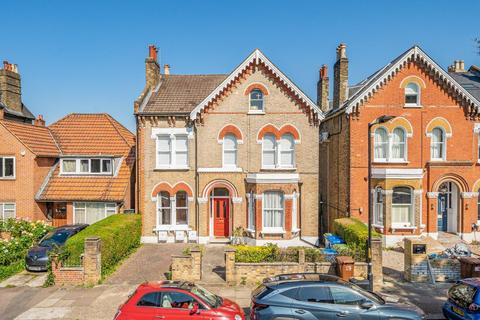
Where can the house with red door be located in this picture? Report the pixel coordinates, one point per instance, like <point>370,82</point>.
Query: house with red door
<point>223,155</point>
<point>79,169</point>
<point>424,125</point>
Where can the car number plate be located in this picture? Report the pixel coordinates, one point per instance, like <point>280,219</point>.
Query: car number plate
<point>458,311</point>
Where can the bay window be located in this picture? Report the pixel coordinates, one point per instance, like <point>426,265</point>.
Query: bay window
<point>273,212</point>
<point>402,207</point>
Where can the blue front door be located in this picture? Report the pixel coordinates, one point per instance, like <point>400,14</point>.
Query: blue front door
<point>442,212</point>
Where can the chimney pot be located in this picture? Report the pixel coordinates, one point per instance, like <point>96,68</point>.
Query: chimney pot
<point>166,69</point>
<point>152,68</point>
<point>39,121</point>
<point>152,52</point>
<point>341,51</point>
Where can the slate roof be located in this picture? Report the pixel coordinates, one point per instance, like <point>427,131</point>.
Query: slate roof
<point>181,93</point>
<point>469,80</point>
<point>37,139</point>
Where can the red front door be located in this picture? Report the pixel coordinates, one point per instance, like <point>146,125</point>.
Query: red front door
<point>221,208</point>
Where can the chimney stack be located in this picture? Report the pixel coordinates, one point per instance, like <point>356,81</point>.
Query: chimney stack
<point>166,69</point>
<point>457,66</point>
<point>10,87</point>
<point>152,67</point>
<point>340,77</point>
<point>39,122</point>
<point>322,89</point>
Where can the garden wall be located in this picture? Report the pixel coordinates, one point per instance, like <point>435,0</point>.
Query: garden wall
<point>187,267</point>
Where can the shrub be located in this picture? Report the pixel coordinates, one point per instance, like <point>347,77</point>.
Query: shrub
<point>120,235</point>
<point>355,234</point>
<point>272,253</point>
<point>314,255</point>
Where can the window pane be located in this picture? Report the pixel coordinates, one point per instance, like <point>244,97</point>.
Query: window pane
<point>256,100</point>
<point>164,207</point>
<point>163,143</point>
<point>182,159</point>
<point>380,143</point>
<point>150,300</point>
<point>182,216</point>
<point>95,165</point>
<point>230,158</point>
<point>177,300</point>
<point>401,214</point>
<point>317,294</point>
<point>84,166</point>
<point>273,209</point>
<point>1,167</point>
<point>398,144</point>
<point>164,158</point>
<point>181,143</point>
<point>9,167</point>
<point>107,165</point>
<point>346,296</point>
<point>8,211</point>
<point>221,192</point>
<point>269,142</point>
<point>402,195</point>
<point>181,199</point>
<point>95,211</point>
<point>230,142</point>
<point>69,165</point>
<point>79,208</point>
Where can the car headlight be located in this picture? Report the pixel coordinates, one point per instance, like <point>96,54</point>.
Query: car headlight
<point>238,317</point>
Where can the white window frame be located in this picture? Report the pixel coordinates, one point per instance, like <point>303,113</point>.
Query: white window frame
<point>277,148</point>
<point>273,230</point>
<point>378,206</point>
<point>251,211</point>
<point>173,152</point>
<point>78,170</point>
<point>280,151</point>
<point>388,157</point>
<point>2,159</point>
<point>234,150</point>
<point>443,156</point>
<point>294,212</point>
<point>375,145</point>
<point>2,211</point>
<point>418,95</point>
<point>408,224</point>
<point>405,146</point>
<point>173,211</point>
<point>83,206</point>
<point>250,110</point>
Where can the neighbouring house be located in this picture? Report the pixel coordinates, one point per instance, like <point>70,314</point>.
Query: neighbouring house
<point>425,160</point>
<point>79,169</point>
<point>225,151</point>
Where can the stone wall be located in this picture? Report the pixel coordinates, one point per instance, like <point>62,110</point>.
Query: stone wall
<point>89,274</point>
<point>187,268</point>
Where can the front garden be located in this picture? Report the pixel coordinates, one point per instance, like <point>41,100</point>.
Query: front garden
<point>16,237</point>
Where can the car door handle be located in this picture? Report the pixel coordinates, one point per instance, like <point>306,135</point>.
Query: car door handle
<point>342,314</point>
<point>160,317</point>
<point>300,311</point>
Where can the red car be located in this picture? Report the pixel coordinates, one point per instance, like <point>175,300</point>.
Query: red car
<point>171,300</point>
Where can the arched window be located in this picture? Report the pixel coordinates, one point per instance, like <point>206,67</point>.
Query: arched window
<point>164,208</point>
<point>269,147</point>
<point>398,144</point>
<point>412,94</point>
<point>381,144</point>
<point>229,150</point>
<point>181,208</point>
<point>287,151</point>
<point>378,206</point>
<point>438,150</point>
<point>402,207</point>
<point>273,211</point>
<point>256,100</point>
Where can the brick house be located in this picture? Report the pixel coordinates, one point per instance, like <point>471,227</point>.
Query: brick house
<point>220,152</point>
<point>79,169</point>
<point>425,166</point>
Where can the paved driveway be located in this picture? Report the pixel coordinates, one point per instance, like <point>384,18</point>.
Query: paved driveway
<point>149,263</point>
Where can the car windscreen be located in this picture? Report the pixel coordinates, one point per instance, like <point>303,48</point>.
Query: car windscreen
<point>211,299</point>
<point>54,238</point>
<point>369,295</point>
<point>462,294</point>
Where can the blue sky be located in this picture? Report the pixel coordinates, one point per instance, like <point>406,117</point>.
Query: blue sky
<point>88,56</point>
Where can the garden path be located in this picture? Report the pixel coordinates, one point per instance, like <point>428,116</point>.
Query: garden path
<point>25,279</point>
<point>213,264</point>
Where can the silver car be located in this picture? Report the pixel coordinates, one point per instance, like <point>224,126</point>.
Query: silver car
<point>318,296</point>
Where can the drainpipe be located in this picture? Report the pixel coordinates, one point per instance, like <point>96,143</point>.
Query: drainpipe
<point>197,183</point>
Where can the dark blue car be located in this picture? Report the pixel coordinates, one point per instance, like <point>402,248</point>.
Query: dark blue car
<point>463,300</point>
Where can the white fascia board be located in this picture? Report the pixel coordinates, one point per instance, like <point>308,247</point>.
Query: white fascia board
<point>273,178</point>
<point>168,131</point>
<point>394,173</point>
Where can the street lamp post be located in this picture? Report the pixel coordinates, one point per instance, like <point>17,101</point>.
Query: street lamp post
<point>379,120</point>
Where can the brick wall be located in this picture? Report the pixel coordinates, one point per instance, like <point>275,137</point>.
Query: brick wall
<point>187,268</point>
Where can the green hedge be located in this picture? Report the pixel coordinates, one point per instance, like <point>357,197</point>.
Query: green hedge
<point>355,234</point>
<point>120,235</point>
<point>272,253</point>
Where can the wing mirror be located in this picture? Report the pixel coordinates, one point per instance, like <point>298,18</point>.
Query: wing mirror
<point>195,309</point>
<point>366,305</point>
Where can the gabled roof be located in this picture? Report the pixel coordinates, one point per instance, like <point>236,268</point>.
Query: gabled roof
<point>256,58</point>
<point>92,134</point>
<point>366,88</point>
<point>37,139</point>
<point>180,93</point>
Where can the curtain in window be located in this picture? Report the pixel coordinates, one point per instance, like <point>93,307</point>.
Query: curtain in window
<point>230,150</point>
<point>380,144</point>
<point>269,150</point>
<point>110,208</point>
<point>163,150</point>
<point>9,210</point>
<point>69,165</point>
<point>84,167</point>
<point>438,144</point>
<point>287,150</point>
<point>95,212</point>
<point>181,150</point>
<point>378,207</point>
<point>80,210</point>
<point>402,203</point>
<point>273,210</point>
<point>398,144</point>
<point>9,170</point>
<point>164,208</point>
<point>411,93</point>
<point>181,207</point>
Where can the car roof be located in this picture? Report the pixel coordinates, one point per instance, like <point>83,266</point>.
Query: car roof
<point>184,285</point>
<point>71,227</point>
<point>304,279</point>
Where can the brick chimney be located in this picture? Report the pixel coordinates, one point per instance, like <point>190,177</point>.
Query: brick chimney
<point>457,66</point>
<point>39,121</point>
<point>322,89</point>
<point>10,87</point>
<point>340,77</point>
<point>152,67</point>
<point>166,69</point>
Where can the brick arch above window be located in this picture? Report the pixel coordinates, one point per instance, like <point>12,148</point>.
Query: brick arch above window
<point>476,186</point>
<point>441,123</point>
<point>256,85</point>
<point>395,123</point>
<point>415,79</point>
<point>230,129</point>
<point>278,133</point>
<point>165,186</point>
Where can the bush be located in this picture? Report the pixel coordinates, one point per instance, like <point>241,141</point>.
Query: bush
<point>355,234</point>
<point>314,255</point>
<point>272,253</point>
<point>120,235</point>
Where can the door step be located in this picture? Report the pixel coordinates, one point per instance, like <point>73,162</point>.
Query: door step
<point>220,241</point>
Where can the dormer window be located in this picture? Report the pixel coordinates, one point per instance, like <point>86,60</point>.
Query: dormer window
<point>100,166</point>
<point>412,94</point>
<point>256,100</point>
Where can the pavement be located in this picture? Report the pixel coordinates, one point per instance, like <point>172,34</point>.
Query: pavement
<point>25,278</point>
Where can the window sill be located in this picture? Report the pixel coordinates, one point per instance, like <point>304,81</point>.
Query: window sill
<point>170,227</point>
<point>380,226</point>
<point>8,179</point>
<point>391,162</point>
<point>279,169</point>
<point>172,169</point>
<point>251,112</point>
<point>273,231</point>
<point>223,169</point>
<point>412,105</point>
<point>394,228</point>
